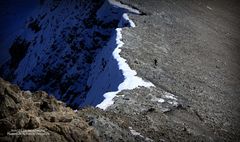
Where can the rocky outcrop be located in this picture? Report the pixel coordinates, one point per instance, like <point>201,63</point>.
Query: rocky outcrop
<point>40,117</point>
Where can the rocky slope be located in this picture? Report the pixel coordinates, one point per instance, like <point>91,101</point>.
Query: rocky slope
<point>66,49</point>
<point>187,49</point>
<point>23,110</point>
<point>36,116</point>
<point>26,116</point>
<point>50,120</point>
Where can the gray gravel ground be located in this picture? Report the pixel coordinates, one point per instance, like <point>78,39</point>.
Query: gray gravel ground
<point>188,48</point>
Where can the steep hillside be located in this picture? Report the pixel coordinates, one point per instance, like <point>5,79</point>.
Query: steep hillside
<point>70,49</point>
<point>13,17</point>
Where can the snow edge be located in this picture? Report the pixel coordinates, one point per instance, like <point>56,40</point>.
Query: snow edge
<point>131,80</point>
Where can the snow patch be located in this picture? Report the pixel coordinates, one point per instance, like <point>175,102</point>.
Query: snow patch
<point>135,133</point>
<point>132,24</point>
<point>131,81</point>
<point>174,103</point>
<point>161,100</point>
<point>130,9</point>
<point>169,96</point>
<point>208,7</point>
<point>156,99</point>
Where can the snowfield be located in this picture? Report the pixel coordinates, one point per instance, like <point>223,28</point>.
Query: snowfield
<point>71,50</point>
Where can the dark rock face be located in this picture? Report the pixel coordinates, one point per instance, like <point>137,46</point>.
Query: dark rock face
<point>20,110</point>
<point>18,51</point>
<point>8,100</point>
<point>34,26</point>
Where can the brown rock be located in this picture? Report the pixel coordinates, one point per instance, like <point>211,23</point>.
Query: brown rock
<point>34,123</point>
<point>26,111</point>
<point>8,106</point>
<point>5,126</point>
<point>22,120</point>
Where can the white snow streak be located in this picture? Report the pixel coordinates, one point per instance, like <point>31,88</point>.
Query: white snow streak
<point>161,100</point>
<point>125,16</point>
<point>131,81</point>
<point>170,96</point>
<point>208,7</point>
<point>130,9</point>
<point>135,133</point>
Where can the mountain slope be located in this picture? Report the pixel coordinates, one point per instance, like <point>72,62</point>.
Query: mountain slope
<point>67,50</point>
